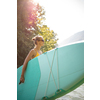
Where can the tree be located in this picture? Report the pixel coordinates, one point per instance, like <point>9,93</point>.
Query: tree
<point>49,38</point>
<point>30,18</point>
<point>29,15</point>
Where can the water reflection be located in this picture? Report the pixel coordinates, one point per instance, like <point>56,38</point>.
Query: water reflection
<point>77,94</point>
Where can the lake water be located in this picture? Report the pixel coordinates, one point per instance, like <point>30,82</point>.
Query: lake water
<point>77,94</point>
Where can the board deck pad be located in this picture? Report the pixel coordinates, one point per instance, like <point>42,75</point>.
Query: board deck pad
<point>53,74</point>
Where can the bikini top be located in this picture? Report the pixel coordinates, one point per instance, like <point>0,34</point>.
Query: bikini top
<point>37,54</point>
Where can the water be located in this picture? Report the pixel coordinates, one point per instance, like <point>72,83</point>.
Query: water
<point>77,94</point>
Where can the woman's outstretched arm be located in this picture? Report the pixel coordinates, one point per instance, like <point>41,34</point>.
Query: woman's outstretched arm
<point>29,56</point>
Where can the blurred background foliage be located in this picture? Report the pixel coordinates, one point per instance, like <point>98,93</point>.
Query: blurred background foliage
<point>30,18</point>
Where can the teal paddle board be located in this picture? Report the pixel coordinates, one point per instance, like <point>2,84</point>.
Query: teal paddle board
<point>52,74</point>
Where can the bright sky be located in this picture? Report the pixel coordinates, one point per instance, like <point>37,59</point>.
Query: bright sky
<point>64,17</point>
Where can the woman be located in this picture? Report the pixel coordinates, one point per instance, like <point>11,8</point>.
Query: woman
<point>39,42</point>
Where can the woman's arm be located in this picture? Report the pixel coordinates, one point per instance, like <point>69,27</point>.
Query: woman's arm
<point>31,53</point>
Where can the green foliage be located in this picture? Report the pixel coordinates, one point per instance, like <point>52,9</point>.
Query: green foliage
<point>30,17</point>
<point>49,38</point>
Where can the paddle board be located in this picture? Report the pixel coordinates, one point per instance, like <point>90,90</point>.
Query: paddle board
<point>52,74</point>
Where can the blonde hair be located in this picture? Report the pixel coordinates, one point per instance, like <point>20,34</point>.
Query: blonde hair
<point>36,38</point>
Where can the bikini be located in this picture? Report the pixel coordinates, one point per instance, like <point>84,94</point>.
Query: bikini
<point>37,54</point>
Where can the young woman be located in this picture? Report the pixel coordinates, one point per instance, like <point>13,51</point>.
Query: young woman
<point>39,42</point>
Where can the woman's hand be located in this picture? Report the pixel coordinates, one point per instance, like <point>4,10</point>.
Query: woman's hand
<point>22,79</point>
